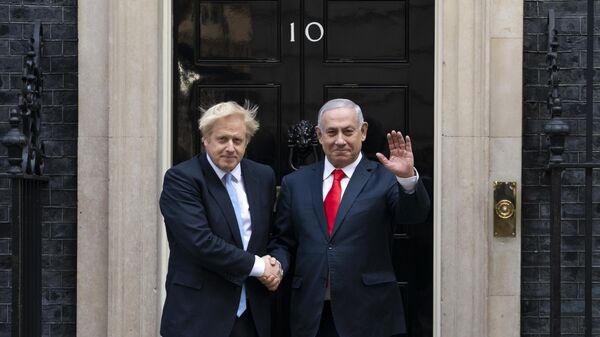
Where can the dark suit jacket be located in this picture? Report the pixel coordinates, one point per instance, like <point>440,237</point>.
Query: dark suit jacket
<point>207,264</point>
<point>365,298</point>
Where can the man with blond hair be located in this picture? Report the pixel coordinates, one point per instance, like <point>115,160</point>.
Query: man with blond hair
<point>217,208</point>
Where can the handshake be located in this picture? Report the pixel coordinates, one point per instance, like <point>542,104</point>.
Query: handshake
<point>273,273</point>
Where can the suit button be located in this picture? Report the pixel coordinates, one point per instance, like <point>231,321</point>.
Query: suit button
<point>330,247</point>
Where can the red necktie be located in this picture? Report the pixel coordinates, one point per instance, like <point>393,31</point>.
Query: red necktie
<point>332,200</point>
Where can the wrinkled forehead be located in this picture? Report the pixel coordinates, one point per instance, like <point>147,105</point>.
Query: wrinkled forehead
<point>339,118</point>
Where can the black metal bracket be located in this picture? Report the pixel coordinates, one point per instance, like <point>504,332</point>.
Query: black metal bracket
<point>26,168</point>
<point>25,149</point>
<point>556,128</point>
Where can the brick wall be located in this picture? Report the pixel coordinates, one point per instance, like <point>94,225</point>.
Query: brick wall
<point>59,132</point>
<point>571,23</point>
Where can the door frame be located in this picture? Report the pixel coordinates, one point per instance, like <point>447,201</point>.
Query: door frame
<point>125,123</point>
<point>166,139</point>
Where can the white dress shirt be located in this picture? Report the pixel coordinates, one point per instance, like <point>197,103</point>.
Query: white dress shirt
<point>259,264</point>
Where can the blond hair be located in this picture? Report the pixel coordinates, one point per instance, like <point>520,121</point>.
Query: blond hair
<point>226,109</point>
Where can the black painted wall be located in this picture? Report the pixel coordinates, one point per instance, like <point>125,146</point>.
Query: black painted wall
<point>535,282</point>
<point>59,132</point>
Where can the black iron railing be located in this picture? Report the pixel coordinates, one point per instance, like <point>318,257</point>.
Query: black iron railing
<point>557,130</point>
<point>25,157</point>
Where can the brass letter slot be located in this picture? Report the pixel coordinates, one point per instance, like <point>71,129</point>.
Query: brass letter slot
<point>505,204</point>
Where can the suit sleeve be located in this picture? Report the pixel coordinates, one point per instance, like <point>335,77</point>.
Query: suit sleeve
<point>410,208</point>
<point>283,242</point>
<point>185,217</point>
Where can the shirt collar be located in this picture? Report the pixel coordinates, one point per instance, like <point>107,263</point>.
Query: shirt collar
<point>236,172</point>
<point>348,170</point>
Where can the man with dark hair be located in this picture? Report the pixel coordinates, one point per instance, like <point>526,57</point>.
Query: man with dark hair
<point>336,219</point>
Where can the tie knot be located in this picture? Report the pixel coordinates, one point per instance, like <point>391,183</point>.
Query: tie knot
<point>228,177</point>
<point>338,175</point>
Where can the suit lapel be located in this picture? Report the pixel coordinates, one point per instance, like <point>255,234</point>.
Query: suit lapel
<point>252,187</point>
<point>316,188</point>
<point>219,192</point>
<point>359,178</point>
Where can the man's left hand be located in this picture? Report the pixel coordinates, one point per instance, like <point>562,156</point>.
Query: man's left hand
<point>401,162</point>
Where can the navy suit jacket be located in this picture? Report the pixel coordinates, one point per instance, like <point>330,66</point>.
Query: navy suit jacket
<point>207,264</point>
<point>365,299</point>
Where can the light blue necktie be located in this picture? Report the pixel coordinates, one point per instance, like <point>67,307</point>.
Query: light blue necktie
<point>238,215</point>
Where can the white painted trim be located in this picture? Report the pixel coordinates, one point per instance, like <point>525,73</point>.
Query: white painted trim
<point>165,139</point>
<point>437,170</point>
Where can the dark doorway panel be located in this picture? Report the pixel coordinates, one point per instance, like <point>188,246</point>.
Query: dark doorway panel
<point>289,57</point>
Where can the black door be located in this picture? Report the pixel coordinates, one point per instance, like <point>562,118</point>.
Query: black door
<point>289,57</point>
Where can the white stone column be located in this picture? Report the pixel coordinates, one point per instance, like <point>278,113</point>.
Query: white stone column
<point>133,70</point>
<point>118,278</point>
<point>462,168</point>
<point>478,140</point>
<point>92,170</point>
<point>506,101</point>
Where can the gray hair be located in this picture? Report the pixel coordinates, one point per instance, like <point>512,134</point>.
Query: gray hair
<point>337,103</point>
<point>226,109</point>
